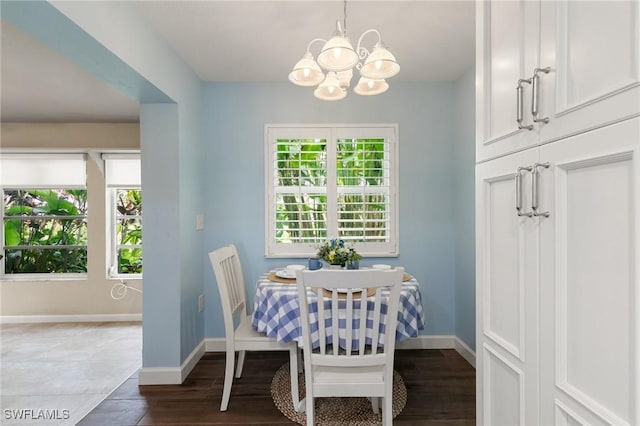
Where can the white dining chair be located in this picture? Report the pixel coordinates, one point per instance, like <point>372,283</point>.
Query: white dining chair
<point>243,337</point>
<point>346,364</point>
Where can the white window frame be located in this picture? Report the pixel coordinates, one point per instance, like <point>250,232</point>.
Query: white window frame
<point>330,132</point>
<point>127,178</point>
<point>51,170</point>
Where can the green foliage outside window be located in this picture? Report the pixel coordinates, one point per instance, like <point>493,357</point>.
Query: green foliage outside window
<point>45,231</point>
<point>129,230</point>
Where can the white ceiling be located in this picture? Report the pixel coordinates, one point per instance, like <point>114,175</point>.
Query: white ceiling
<point>237,41</point>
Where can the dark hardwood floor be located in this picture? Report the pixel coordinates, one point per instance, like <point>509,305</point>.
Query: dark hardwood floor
<point>440,391</point>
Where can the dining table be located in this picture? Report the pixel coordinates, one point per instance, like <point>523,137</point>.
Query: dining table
<point>276,310</point>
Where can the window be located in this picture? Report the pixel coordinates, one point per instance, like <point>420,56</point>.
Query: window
<point>331,182</point>
<point>44,214</point>
<point>124,201</point>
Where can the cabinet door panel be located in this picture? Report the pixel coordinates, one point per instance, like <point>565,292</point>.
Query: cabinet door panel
<point>593,49</point>
<point>503,390</point>
<point>507,237</point>
<point>506,52</point>
<point>506,313</point>
<point>589,295</point>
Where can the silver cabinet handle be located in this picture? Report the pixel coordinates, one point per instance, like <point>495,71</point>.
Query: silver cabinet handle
<point>534,189</point>
<point>535,80</point>
<point>519,107</point>
<point>519,191</point>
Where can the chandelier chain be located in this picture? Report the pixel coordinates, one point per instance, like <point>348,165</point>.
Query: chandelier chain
<point>345,18</point>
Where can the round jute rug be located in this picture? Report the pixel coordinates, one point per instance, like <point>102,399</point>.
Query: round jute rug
<point>333,411</point>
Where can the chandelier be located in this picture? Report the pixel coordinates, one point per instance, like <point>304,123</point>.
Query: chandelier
<point>338,58</point>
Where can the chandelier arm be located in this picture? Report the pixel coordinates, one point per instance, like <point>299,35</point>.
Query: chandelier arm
<point>362,51</point>
<point>362,54</point>
<point>313,41</point>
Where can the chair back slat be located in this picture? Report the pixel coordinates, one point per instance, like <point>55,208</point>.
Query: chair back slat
<point>349,336</point>
<point>350,300</point>
<point>228,273</point>
<point>362,329</point>
<point>377,318</point>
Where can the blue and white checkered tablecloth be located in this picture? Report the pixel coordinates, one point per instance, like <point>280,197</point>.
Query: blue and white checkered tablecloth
<point>276,312</point>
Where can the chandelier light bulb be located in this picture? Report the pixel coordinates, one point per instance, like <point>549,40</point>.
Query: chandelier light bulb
<point>338,54</point>
<point>380,64</point>
<point>368,87</point>
<point>306,72</point>
<point>329,89</point>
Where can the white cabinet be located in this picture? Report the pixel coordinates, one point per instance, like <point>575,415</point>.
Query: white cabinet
<point>506,295</point>
<point>589,266</point>
<point>558,325</point>
<point>577,63</point>
<point>593,51</point>
<point>507,51</point>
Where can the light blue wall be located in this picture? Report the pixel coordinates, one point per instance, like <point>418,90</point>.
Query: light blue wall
<point>234,115</point>
<point>464,206</point>
<point>159,128</point>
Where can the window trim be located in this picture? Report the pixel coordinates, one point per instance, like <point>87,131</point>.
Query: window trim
<point>331,132</point>
<point>112,246</point>
<point>111,188</point>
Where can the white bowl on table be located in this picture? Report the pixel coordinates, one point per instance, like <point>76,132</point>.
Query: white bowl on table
<point>291,269</point>
<point>381,266</point>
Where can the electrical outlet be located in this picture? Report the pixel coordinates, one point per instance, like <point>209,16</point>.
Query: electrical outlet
<point>199,222</point>
<point>201,303</point>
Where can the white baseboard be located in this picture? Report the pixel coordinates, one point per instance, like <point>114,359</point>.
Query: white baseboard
<point>191,361</point>
<point>215,344</point>
<point>171,375</point>
<point>25,319</point>
<point>176,375</point>
<point>427,342</point>
<point>465,352</point>
<point>160,376</point>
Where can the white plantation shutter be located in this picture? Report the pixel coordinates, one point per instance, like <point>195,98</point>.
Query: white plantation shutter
<point>297,192</point>
<point>364,204</point>
<point>296,201</point>
<point>328,182</point>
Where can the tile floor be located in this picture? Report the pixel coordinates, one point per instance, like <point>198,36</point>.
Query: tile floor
<point>54,374</point>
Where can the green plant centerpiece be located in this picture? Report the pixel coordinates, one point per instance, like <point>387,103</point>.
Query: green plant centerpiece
<point>335,252</point>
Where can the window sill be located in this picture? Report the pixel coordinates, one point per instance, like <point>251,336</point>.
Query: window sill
<point>125,277</point>
<point>44,277</point>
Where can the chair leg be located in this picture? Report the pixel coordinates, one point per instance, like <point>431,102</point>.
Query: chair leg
<point>228,379</point>
<point>300,360</point>
<point>294,367</point>
<point>387,410</point>
<point>309,410</point>
<point>375,404</point>
<point>240,364</point>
